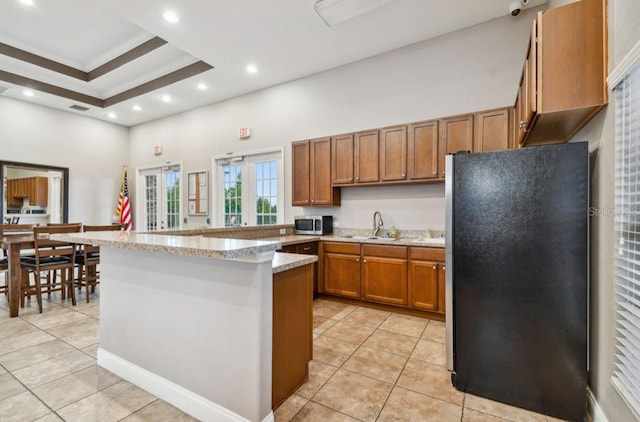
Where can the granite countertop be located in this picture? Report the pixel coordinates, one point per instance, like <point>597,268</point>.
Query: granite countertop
<point>401,241</point>
<point>287,261</point>
<point>207,247</point>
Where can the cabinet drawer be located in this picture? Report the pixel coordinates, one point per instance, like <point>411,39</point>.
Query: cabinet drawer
<point>426,254</point>
<point>385,251</point>
<point>345,248</point>
<point>310,248</point>
<point>287,249</point>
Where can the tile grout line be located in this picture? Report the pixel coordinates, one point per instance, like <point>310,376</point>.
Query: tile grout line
<point>395,383</point>
<point>74,348</point>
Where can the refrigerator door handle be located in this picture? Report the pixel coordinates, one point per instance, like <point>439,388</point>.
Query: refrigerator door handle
<point>448,193</point>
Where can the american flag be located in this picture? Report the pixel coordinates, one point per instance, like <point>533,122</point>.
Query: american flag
<point>124,206</point>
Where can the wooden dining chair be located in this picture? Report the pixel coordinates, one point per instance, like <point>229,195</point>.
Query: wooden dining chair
<point>50,255</point>
<point>10,230</point>
<point>88,259</point>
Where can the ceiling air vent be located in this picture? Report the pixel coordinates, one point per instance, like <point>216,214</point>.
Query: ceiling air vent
<point>79,107</point>
<point>3,89</point>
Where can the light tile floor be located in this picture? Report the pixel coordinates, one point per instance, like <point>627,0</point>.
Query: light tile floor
<point>368,366</point>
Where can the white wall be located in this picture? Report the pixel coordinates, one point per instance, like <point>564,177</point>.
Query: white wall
<point>624,33</point>
<point>94,151</point>
<point>470,70</point>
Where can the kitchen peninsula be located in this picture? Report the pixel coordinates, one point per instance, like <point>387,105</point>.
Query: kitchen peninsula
<point>191,318</point>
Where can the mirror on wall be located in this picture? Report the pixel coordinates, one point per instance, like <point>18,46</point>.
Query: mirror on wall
<point>34,193</point>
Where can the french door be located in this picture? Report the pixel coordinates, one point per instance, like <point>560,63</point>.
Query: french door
<point>250,189</point>
<point>159,197</point>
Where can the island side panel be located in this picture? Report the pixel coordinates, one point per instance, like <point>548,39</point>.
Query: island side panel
<point>202,324</point>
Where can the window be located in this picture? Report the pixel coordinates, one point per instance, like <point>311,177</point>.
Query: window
<point>159,198</point>
<point>250,189</point>
<point>626,374</point>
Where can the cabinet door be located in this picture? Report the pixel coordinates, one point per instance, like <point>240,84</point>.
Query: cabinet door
<point>42,191</point>
<point>342,275</point>
<point>456,134</point>
<point>300,173</point>
<point>423,282</point>
<point>384,280</point>
<point>393,153</point>
<point>422,151</point>
<point>320,172</point>
<point>342,152</point>
<point>492,130</point>
<point>367,157</point>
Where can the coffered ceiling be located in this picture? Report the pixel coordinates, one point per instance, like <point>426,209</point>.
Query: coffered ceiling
<point>121,61</point>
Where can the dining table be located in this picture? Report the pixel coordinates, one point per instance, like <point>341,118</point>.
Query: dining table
<point>13,244</point>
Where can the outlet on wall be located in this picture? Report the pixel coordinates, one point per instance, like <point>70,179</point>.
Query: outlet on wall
<point>283,231</point>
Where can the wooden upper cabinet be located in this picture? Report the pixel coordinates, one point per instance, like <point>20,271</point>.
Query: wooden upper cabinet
<point>422,155</point>
<point>393,153</point>
<point>567,71</point>
<point>321,191</point>
<point>492,130</point>
<point>366,156</point>
<point>311,174</point>
<point>342,151</point>
<point>456,134</point>
<point>300,195</point>
<point>35,189</point>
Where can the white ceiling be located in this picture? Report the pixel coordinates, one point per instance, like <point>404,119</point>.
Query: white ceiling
<point>285,39</point>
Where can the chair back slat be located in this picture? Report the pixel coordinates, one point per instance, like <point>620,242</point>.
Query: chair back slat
<point>47,248</point>
<point>7,230</point>
<point>102,228</point>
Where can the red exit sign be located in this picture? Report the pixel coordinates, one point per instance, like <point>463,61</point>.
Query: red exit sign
<point>244,132</point>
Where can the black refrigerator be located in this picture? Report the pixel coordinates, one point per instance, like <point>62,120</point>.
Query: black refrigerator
<point>517,276</point>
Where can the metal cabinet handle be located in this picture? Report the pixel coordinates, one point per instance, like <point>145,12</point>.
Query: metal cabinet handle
<point>435,172</point>
<point>306,201</point>
<point>312,201</point>
<point>365,261</point>
<point>444,268</point>
<point>357,259</point>
<point>523,124</point>
<point>308,248</point>
<point>351,179</point>
<point>443,172</point>
<point>357,178</point>
<point>435,267</point>
<point>404,175</point>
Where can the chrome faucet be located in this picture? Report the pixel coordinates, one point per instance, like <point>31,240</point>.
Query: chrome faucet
<point>376,226</point>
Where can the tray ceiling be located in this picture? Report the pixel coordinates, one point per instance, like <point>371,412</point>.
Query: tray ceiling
<point>112,55</point>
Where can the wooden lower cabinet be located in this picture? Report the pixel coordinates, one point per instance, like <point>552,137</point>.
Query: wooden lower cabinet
<point>384,274</point>
<point>341,269</point>
<point>427,279</point>
<point>292,331</point>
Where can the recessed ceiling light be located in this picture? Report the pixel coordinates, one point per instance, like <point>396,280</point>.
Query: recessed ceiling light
<point>202,86</point>
<point>136,107</point>
<point>171,16</point>
<point>28,93</point>
<point>252,68</point>
<point>112,115</point>
<point>166,98</point>
<point>27,2</point>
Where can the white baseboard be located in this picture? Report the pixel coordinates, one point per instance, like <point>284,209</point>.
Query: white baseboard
<point>185,400</point>
<point>594,410</point>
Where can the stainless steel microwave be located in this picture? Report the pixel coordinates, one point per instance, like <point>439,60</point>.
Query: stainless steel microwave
<point>313,224</point>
